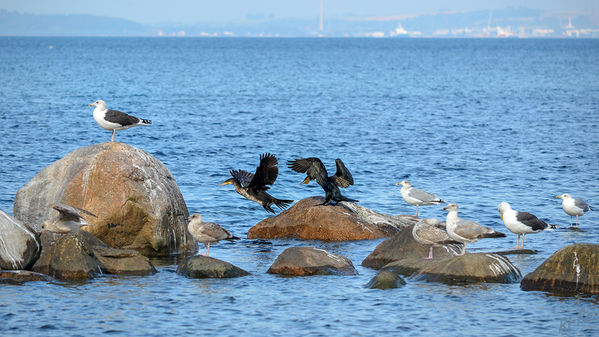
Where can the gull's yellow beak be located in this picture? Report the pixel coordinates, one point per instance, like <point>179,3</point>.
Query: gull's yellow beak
<point>501,216</point>
<point>307,180</point>
<point>91,105</point>
<point>399,183</point>
<point>558,196</point>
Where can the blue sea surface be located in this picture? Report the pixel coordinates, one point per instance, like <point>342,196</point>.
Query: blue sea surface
<point>476,121</point>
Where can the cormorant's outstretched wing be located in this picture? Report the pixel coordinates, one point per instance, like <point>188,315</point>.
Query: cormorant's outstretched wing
<point>244,177</point>
<point>342,177</point>
<point>71,213</point>
<point>266,173</point>
<point>312,167</point>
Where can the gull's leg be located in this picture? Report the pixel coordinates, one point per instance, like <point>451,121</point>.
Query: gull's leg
<point>416,210</point>
<point>430,254</point>
<point>463,249</point>
<point>113,133</point>
<point>208,254</point>
<point>517,243</point>
<point>523,235</point>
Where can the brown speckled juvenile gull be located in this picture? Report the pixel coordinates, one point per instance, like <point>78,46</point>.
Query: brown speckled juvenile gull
<point>207,232</point>
<point>68,219</point>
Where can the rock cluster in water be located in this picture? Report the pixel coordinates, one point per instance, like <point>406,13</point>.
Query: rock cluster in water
<point>136,198</point>
<point>201,266</point>
<point>309,220</point>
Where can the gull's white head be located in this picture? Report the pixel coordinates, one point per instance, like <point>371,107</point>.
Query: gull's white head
<point>451,207</point>
<point>195,217</point>
<point>564,196</point>
<point>99,103</point>
<point>504,206</point>
<point>404,183</point>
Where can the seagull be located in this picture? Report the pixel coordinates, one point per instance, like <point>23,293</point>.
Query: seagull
<point>207,232</point>
<point>466,231</point>
<point>431,232</point>
<point>115,120</point>
<point>417,197</point>
<point>520,223</point>
<point>68,219</point>
<point>573,206</point>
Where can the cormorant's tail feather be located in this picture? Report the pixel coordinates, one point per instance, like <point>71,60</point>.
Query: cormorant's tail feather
<point>282,204</point>
<point>349,199</point>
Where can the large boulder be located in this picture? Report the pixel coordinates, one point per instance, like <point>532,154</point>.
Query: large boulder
<point>136,198</point>
<point>572,269</point>
<point>19,246</point>
<point>308,220</point>
<point>81,256</point>
<point>201,266</point>
<point>403,246</point>
<point>471,268</point>
<point>307,261</point>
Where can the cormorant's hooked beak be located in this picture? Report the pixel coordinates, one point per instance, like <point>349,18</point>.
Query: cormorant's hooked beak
<point>225,183</point>
<point>307,180</point>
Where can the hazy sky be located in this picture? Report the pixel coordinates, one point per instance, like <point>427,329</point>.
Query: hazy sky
<point>190,11</point>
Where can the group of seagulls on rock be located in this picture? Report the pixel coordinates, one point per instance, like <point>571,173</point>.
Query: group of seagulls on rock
<point>433,232</point>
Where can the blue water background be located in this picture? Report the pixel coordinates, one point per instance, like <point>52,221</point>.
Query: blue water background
<point>475,121</point>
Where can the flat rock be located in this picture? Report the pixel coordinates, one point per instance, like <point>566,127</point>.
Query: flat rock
<point>307,261</point>
<point>518,252</point>
<point>403,246</point>
<point>201,266</point>
<point>21,276</point>
<point>571,270</point>
<point>471,268</point>
<point>308,220</point>
<point>136,198</point>
<point>386,279</point>
<point>19,245</point>
<point>81,256</point>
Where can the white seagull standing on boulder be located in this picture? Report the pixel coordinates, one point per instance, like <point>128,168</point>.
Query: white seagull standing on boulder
<point>417,197</point>
<point>520,223</point>
<point>115,120</point>
<point>573,206</point>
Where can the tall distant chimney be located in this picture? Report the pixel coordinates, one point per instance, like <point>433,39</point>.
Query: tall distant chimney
<point>321,25</point>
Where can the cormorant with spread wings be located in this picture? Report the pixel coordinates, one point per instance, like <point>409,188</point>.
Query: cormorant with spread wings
<point>253,186</point>
<point>315,170</point>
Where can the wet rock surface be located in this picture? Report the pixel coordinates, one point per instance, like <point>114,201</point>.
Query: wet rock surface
<point>308,220</point>
<point>386,279</point>
<point>307,261</point>
<point>571,270</point>
<point>81,256</point>
<point>208,267</point>
<point>19,245</point>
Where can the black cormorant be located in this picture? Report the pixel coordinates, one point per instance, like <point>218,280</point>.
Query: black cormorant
<point>315,170</point>
<point>253,186</point>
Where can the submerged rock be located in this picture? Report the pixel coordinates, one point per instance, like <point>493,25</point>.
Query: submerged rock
<point>18,277</point>
<point>308,220</point>
<point>386,279</point>
<point>307,261</point>
<point>81,256</point>
<point>403,246</point>
<point>201,266</point>
<point>572,269</point>
<point>19,246</point>
<point>136,198</point>
<point>471,268</point>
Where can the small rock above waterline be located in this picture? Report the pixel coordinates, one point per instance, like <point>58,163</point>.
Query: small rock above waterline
<point>308,220</point>
<point>18,277</point>
<point>136,198</point>
<point>201,266</point>
<point>81,256</point>
<point>471,268</point>
<point>19,246</point>
<point>571,270</point>
<point>386,279</point>
<point>307,261</point>
<point>403,246</point>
